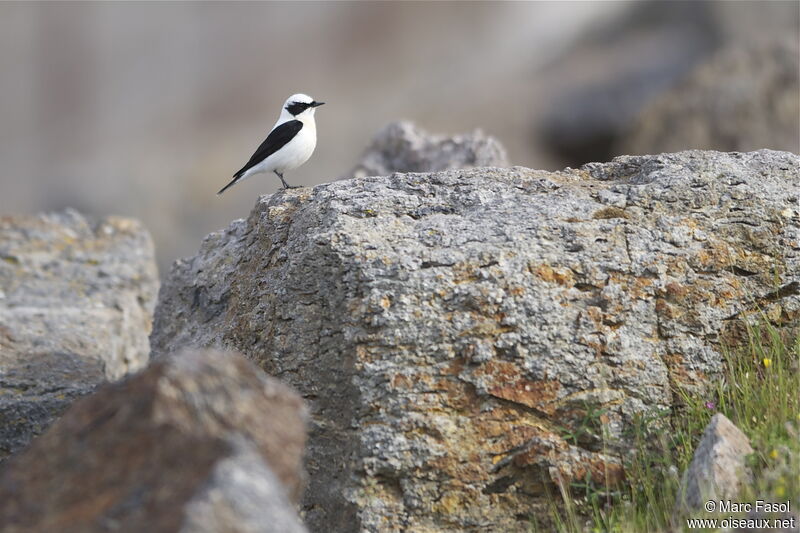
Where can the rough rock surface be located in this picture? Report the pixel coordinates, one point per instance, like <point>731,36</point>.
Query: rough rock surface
<point>452,330</point>
<point>744,98</point>
<point>403,147</point>
<point>200,442</point>
<point>76,304</point>
<point>718,467</point>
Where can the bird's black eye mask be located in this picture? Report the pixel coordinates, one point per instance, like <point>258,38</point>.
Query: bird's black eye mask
<point>295,108</point>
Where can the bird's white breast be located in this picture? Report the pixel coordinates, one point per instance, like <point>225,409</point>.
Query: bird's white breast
<point>298,150</point>
<point>292,154</point>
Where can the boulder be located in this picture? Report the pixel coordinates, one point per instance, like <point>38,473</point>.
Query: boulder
<point>469,339</point>
<point>76,304</point>
<point>743,98</point>
<point>200,442</point>
<point>718,467</point>
<point>591,96</point>
<point>403,147</point>
<point>597,87</point>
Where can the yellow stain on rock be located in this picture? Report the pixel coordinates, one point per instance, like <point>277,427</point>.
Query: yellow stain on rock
<point>561,276</point>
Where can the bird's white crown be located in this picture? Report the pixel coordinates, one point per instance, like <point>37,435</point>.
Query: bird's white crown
<point>299,98</point>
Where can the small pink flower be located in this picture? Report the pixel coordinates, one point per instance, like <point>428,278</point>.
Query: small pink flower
<point>710,405</point>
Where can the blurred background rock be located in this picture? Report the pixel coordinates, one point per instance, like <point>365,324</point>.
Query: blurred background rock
<point>146,109</point>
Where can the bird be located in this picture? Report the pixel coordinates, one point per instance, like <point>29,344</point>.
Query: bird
<point>290,143</point>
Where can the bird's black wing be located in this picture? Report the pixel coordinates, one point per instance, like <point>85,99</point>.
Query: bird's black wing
<point>276,140</point>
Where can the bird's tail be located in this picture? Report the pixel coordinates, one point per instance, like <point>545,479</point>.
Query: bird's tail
<point>233,182</point>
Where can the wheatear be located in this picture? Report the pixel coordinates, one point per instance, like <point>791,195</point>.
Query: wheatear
<point>290,143</point>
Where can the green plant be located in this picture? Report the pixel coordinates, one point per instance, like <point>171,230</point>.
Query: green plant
<point>759,391</point>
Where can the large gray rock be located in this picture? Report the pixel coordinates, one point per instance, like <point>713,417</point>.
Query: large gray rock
<point>718,467</point>
<point>450,330</point>
<point>403,147</point>
<point>201,442</point>
<point>744,98</point>
<point>76,303</point>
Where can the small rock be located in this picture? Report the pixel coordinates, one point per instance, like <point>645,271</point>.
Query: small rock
<point>200,442</point>
<point>403,147</point>
<point>718,467</point>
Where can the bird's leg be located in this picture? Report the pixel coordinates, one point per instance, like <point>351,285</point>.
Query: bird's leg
<point>285,185</point>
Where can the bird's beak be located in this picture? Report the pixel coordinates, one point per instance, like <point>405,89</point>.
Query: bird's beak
<point>317,104</point>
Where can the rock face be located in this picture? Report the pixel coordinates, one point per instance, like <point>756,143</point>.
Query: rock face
<point>745,98</point>
<point>457,333</point>
<point>76,303</point>
<point>201,442</point>
<point>718,467</point>
<point>403,147</point>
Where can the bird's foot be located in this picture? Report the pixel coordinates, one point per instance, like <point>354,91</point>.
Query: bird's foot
<point>287,186</point>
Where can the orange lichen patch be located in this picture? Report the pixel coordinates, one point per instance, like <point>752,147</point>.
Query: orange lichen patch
<point>729,292</point>
<point>678,372</point>
<point>385,302</point>
<point>609,212</point>
<point>467,466</point>
<point>467,461</point>
<point>485,437</point>
<point>716,256</point>
<point>601,472</point>
<point>401,381</point>
<point>449,503</point>
<point>665,310</point>
<point>504,380</point>
<point>605,322</point>
<point>562,276</point>
<point>675,292</point>
<point>455,367</point>
<point>595,314</point>
<point>515,290</point>
<point>505,428</point>
<point>635,287</point>
<point>598,347</point>
<point>465,272</point>
<point>569,464</point>
<point>457,395</point>
<point>441,293</point>
<point>362,352</point>
<point>548,447</point>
